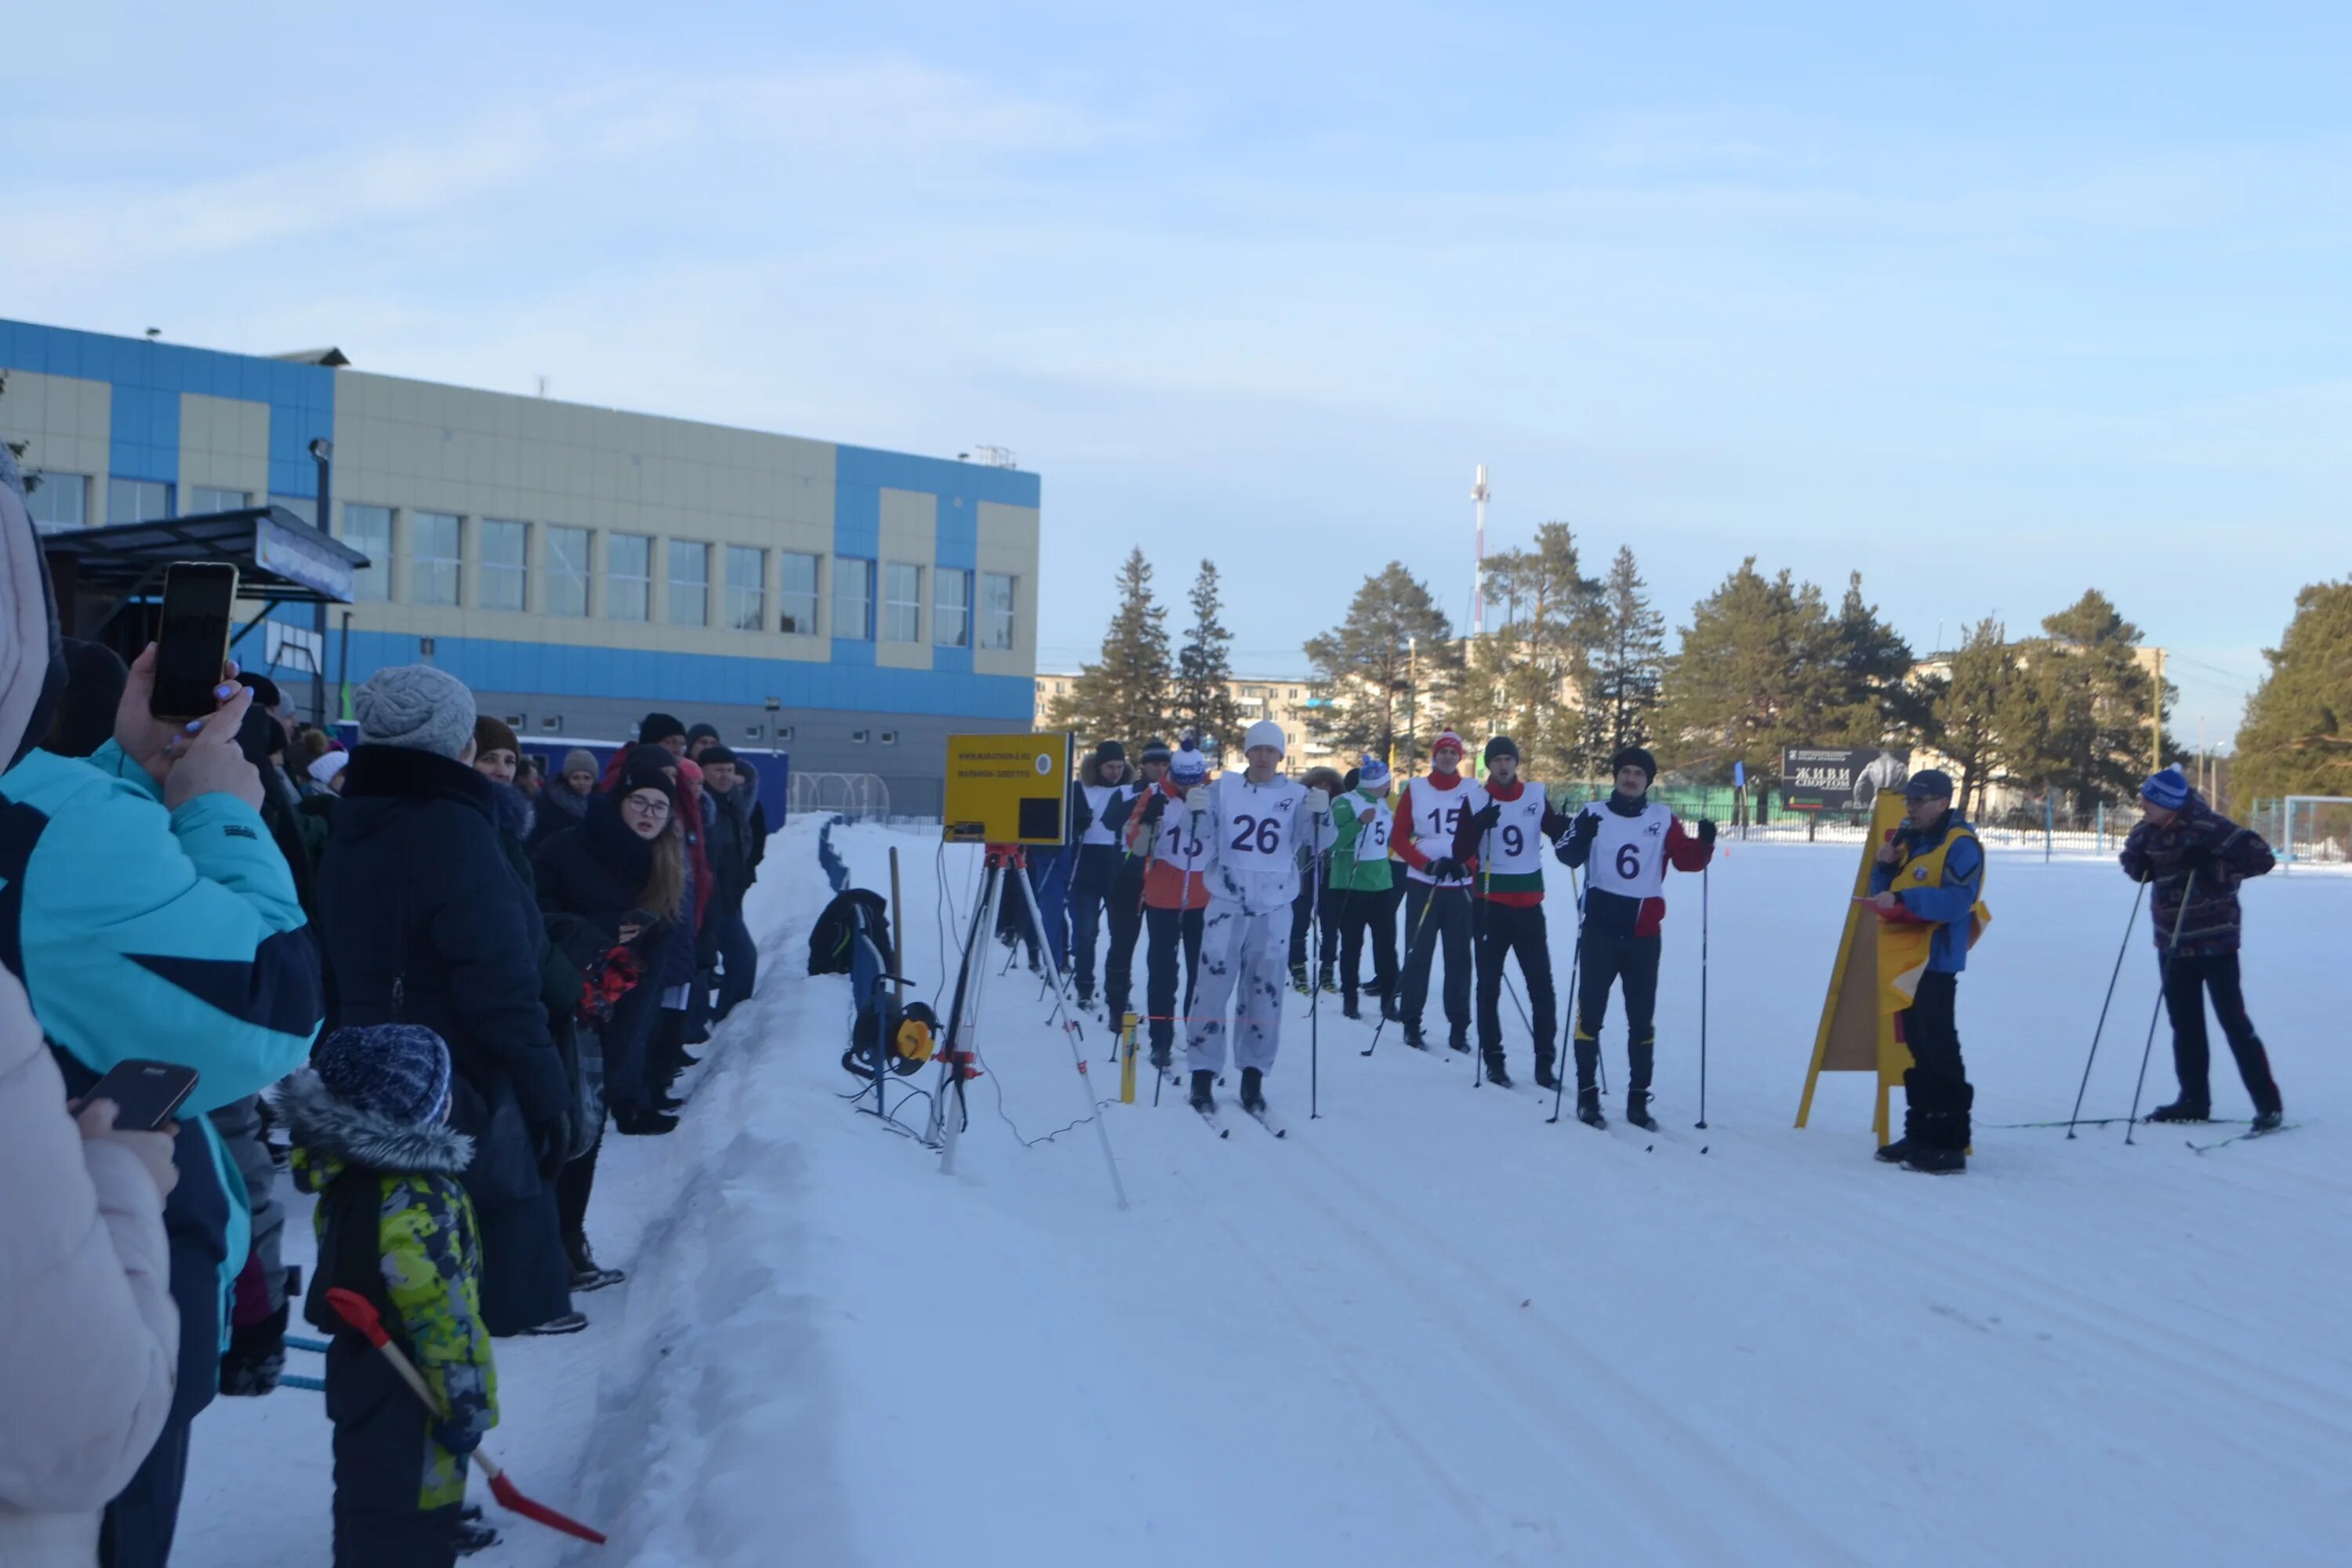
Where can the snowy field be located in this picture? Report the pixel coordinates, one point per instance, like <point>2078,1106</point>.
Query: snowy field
<point>1428,1329</point>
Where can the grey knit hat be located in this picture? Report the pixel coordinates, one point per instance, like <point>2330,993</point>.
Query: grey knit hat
<point>398,1071</point>
<point>418,707</point>
<point>580,759</point>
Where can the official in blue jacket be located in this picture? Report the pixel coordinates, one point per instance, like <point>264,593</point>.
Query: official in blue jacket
<point>1931,870</point>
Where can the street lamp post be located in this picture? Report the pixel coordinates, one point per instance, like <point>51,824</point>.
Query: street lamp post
<point>322,452</point>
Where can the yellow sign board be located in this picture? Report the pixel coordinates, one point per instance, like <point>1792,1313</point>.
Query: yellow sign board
<point>1856,1031</point>
<point>1008,789</point>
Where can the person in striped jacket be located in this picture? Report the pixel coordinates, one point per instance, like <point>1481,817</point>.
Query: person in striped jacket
<point>1505,839</point>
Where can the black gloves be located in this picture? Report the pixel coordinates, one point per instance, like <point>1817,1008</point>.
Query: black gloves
<point>459,1440</point>
<point>1152,812</point>
<point>1445,868</point>
<point>1489,815</point>
<point>551,1145</point>
<point>1586,828</point>
<point>1705,834</point>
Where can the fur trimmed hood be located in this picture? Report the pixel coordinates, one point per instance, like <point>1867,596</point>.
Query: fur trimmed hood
<point>332,1129</point>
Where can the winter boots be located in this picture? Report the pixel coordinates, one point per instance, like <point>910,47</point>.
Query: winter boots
<point>1205,1090</point>
<point>586,1273</point>
<point>1545,1077</point>
<point>1459,1040</point>
<point>1253,1090</point>
<point>1496,1073</point>
<point>1348,1008</point>
<point>1414,1037</point>
<point>2268,1120</point>
<point>641,1122</point>
<point>2181,1111</point>
<point>1298,979</point>
<point>1588,1107</point>
<point>1935,1124</point>
<point>1637,1110</point>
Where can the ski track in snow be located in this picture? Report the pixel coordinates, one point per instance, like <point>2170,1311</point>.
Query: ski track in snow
<point>1426,1327</point>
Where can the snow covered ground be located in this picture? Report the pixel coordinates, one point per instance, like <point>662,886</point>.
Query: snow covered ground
<point>1430,1328</point>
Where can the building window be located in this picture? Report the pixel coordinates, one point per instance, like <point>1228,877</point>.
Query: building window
<point>902,603</point>
<point>783,733</point>
<point>690,584</point>
<point>796,594</point>
<point>996,604</point>
<point>204,498</point>
<point>858,737</point>
<point>853,598</point>
<point>504,582</point>
<point>747,589</point>
<point>137,501</point>
<point>890,737</point>
<point>567,570</point>
<point>628,577</point>
<point>951,607</point>
<point>552,722</point>
<point>368,529</point>
<point>304,508</point>
<point>433,557</point>
<point>59,500</point>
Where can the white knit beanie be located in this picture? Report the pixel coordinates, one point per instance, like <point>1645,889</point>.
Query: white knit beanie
<point>1265,733</point>
<point>418,707</point>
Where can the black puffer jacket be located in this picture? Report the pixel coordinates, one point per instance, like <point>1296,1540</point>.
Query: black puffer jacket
<point>414,886</point>
<point>597,870</point>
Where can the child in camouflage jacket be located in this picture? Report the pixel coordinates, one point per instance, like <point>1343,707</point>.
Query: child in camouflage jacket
<point>368,1123</point>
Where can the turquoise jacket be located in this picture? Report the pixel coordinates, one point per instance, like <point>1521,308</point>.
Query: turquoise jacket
<point>172,936</point>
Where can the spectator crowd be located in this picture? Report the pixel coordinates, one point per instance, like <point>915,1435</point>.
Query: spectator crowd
<point>415,975</point>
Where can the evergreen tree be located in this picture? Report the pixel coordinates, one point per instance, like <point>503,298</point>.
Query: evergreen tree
<point>1204,673</point>
<point>1389,668</point>
<point>2296,738</point>
<point>1124,694</point>
<point>1623,690</point>
<point>1757,672</point>
<point>1960,713</point>
<point>1870,667</point>
<point>1523,679</point>
<point>2081,715</point>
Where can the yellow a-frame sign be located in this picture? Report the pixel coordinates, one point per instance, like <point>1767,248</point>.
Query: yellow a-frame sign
<point>1857,1033</point>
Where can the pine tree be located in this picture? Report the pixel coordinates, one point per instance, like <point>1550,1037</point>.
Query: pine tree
<point>1204,701</point>
<point>1390,668</point>
<point>1869,666</point>
<point>1756,673</point>
<point>2081,712</point>
<point>1622,693</point>
<point>1961,713</point>
<point>1522,679</point>
<point>2296,738</point>
<point>1124,694</point>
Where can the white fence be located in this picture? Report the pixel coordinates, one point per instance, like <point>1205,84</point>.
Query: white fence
<point>861,796</point>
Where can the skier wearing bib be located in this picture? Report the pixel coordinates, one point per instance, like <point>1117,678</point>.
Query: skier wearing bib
<point>1103,783</point>
<point>1625,843</point>
<point>1254,828</point>
<point>1506,837</point>
<point>1437,887</point>
<point>1124,907</point>
<point>1363,886</point>
<point>1162,831</point>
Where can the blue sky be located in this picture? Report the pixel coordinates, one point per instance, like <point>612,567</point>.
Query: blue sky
<point>1990,303</point>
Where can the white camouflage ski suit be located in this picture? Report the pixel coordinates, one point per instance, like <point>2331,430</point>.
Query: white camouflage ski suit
<point>1252,836</point>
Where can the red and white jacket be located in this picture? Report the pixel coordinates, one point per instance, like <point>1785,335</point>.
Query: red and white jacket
<point>1173,857</point>
<point>1429,811</point>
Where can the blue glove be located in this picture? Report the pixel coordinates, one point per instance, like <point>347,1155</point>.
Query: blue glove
<point>459,1440</point>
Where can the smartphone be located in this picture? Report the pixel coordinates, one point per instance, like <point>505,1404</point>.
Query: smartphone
<point>145,1094</point>
<point>192,643</point>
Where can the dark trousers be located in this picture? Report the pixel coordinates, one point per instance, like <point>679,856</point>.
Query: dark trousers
<point>525,1277</point>
<point>574,1185</point>
<point>1933,1033</point>
<point>2189,979</point>
<point>627,1043</point>
<point>379,1435</point>
<point>1089,891</point>
<point>1504,932</point>
<point>141,1521</point>
<point>1448,925</point>
<point>1367,912</point>
<point>1160,962</point>
<point>1125,908</point>
<point>1315,905</point>
<point>1608,958</point>
<point>738,957</point>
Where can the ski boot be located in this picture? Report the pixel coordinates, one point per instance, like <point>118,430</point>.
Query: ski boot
<point>1348,1008</point>
<point>1588,1107</point>
<point>1496,1073</point>
<point>1545,1077</point>
<point>1414,1037</point>
<point>1637,1110</point>
<point>1205,1090</point>
<point>1328,979</point>
<point>1459,1040</point>
<point>2181,1111</point>
<point>1253,1090</point>
<point>1298,979</point>
<point>2267,1121</point>
<point>1162,1058</point>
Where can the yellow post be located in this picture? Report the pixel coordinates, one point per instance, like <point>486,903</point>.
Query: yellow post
<point>1127,1061</point>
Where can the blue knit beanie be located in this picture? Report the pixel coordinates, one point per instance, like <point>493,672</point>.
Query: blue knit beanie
<point>1371,773</point>
<point>398,1071</point>
<point>2169,789</point>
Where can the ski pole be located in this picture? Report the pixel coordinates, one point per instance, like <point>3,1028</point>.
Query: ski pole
<point>1478,941</point>
<point>2115,974</point>
<point>1410,942</point>
<point>359,1313</point>
<point>1314,996</point>
<point>2164,975</point>
<point>1703,871</point>
<point>1575,1008</point>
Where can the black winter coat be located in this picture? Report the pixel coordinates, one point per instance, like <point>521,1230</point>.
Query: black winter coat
<point>414,887</point>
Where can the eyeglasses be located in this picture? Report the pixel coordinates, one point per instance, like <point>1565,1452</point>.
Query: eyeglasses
<point>648,804</point>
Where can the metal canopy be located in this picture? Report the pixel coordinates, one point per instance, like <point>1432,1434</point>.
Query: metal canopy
<point>280,559</point>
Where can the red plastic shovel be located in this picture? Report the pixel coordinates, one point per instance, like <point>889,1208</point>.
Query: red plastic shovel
<point>359,1313</point>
